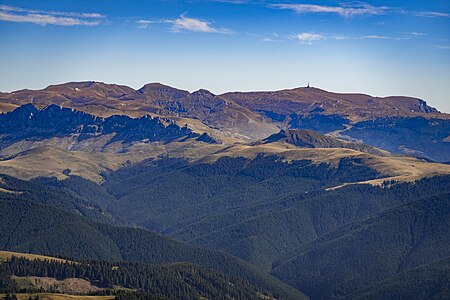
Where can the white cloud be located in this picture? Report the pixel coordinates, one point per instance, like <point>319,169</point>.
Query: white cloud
<point>444,47</point>
<point>356,8</point>
<point>45,20</point>
<point>416,33</point>
<point>274,37</point>
<point>307,37</point>
<point>341,37</point>
<point>232,1</point>
<point>345,10</point>
<point>384,37</point>
<point>21,15</point>
<point>145,23</point>
<point>375,37</point>
<point>184,23</point>
<point>432,14</point>
<point>268,39</point>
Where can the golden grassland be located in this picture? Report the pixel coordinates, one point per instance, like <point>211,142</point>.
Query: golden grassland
<point>72,286</point>
<point>5,255</point>
<point>49,296</point>
<point>68,285</point>
<point>7,107</point>
<point>52,161</point>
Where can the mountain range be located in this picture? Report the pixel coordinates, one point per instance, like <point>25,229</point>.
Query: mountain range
<point>289,194</point>
<point>407,125</point>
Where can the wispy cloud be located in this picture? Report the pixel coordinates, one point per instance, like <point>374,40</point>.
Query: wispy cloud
<point>341,37</point>
<point>432,14</point>
<point>145,23</point>
<point>268,39</point>
<point>307,37</point>
<point>232,1</point>
<point>383,37</point>
<point>344,10</point>
<point>355,8</point>
<point>444,47</point>
<point>416,33</point>
<point>21,15</point>
<point>274,37</point>
<point>184,23</point>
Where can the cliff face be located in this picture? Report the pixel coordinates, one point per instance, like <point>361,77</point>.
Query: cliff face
<point>29,123</point>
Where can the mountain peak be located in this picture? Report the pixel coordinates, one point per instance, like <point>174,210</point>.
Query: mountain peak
<point>304,138</point>
<point>203,93</point>
<point>310,139</point>
<point>75,84</point>
<point>156,87</point>
<point>90,88</point>
<point>25,110</point>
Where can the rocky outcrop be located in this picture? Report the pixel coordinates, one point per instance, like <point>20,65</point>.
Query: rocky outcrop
<point>29,123</point>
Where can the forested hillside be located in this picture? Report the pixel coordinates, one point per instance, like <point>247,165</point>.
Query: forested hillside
<point>429,281</point>
<point>173,281</point>
<point>32,228</point>
<point>190,191</point>
<point>373,250</point>
<point>242,206</point>
<point>75,195</point>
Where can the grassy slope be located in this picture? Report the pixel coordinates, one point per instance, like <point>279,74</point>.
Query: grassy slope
<point>50,158</point>
<point>5,255</point>
<point>47,296</point>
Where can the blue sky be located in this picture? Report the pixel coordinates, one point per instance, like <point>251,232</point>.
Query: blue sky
<point>376,47</point>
